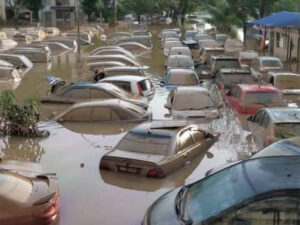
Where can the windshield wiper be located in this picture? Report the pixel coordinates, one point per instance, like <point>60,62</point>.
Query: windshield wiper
<point>180,205</point>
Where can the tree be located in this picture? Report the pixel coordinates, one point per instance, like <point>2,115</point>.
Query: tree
<point>92,8</point>
<point>15,5</point>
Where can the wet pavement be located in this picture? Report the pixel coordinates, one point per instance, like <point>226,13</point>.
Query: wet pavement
<point>73,151</point>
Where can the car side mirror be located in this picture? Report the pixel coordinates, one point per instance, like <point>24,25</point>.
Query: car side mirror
<point>250,118</point>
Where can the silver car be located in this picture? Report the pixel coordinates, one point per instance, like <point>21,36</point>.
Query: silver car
<point>104,111</point>
<point>157,149</point>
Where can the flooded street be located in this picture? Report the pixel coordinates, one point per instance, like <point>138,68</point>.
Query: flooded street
<point>73,150</point>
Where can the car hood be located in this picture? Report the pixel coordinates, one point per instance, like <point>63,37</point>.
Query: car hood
<point>136,156</point>
<point>162,211</point>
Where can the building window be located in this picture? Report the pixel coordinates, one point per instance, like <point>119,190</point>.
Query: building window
<point>62,2</point>
<point>277,40</point>
<point>62,14</point>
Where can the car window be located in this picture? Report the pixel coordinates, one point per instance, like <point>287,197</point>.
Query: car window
<point>81,114</point>
<point>266,121</point>
<point>145,84</point>
<point>238,93</point>
<point>262,98</point>
<point>259,117</point>
<point>268,211</point>
<point>115,115</point>
<point>95,93</point>
<point>122,84</point>
<point>101,114</point>
<point>287,130</point>
<point>78,93</point>
<point>185,140</point>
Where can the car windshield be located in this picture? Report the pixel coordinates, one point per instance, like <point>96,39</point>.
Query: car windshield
<point>180,62</point>
<point>14,188</point>
<point>153,142</point>
<point>262,98</point>
<point>192,101</point>
<point>204,199</point>
<point>287,130</point>
<point>271,63</point>
<point>183,79</point>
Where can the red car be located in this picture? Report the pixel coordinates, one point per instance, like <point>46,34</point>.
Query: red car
<point>249,98</point>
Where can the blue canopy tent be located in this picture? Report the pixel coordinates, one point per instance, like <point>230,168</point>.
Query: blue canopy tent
<point>282,19</point>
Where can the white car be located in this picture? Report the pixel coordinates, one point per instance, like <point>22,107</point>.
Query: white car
<point>134,84</point>
<point>170,44</point>
<point>192,103</point>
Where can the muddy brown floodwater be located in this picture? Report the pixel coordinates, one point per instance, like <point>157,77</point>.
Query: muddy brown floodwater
<point>89,196</point>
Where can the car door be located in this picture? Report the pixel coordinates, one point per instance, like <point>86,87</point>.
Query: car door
<point>257,128</point>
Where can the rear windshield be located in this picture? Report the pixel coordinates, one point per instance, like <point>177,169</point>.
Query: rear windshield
<point>183,79</point>
<point>145,85</point>
<point>193,101</point>
<point>287,130</point>
<point>263,98</point>
<point>155,142</point>
<point>272,63</point>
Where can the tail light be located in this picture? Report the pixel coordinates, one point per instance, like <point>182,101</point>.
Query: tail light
<point>156,172</point>
<point>140,89</point>
<point>52,211</point>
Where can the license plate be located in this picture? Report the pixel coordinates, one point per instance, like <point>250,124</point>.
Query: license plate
<point>128,169</point>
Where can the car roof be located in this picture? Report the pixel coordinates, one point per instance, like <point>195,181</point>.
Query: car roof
<point>128,78</point>
<point>190,89</point>
<point>284,114</point>
<point>235,70</point>
<point>285,147</point>
<point>257,88</point>
<point>123,68</point>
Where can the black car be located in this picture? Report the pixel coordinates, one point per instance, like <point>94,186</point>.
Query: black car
<point>257,191</point>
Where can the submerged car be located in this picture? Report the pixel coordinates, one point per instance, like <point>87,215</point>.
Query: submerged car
<point>134,84</point>
<point>269,125</point>
<point>104,111</point>
<point>125,70</point>
<point>222,61</point>
<point>135,47</point>
<point>233,47</point>
<point>192,103</point>
<point>246,57</point>
<point>249,192</point>
<point>249,98</point>
<point>261,66</point>
<point>19,61</point>
<point>75,92</point>
<point>115,52</point>
<point>170,44</point>
<point>35,55</point>
<point>156,149</point>
<point>9,74</point>
<point>287,83</point>
<point>181,77</point>
<point>27,195</point>
<point>227,78</point>
<point>180,62</point>
<point>221,39</point>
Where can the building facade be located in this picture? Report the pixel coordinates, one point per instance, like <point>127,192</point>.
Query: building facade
<point>58,13</point>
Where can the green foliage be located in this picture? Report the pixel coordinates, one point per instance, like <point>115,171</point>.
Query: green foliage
<point>18,120</point>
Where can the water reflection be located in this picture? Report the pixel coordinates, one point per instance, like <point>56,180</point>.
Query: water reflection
<point>18,148</point>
